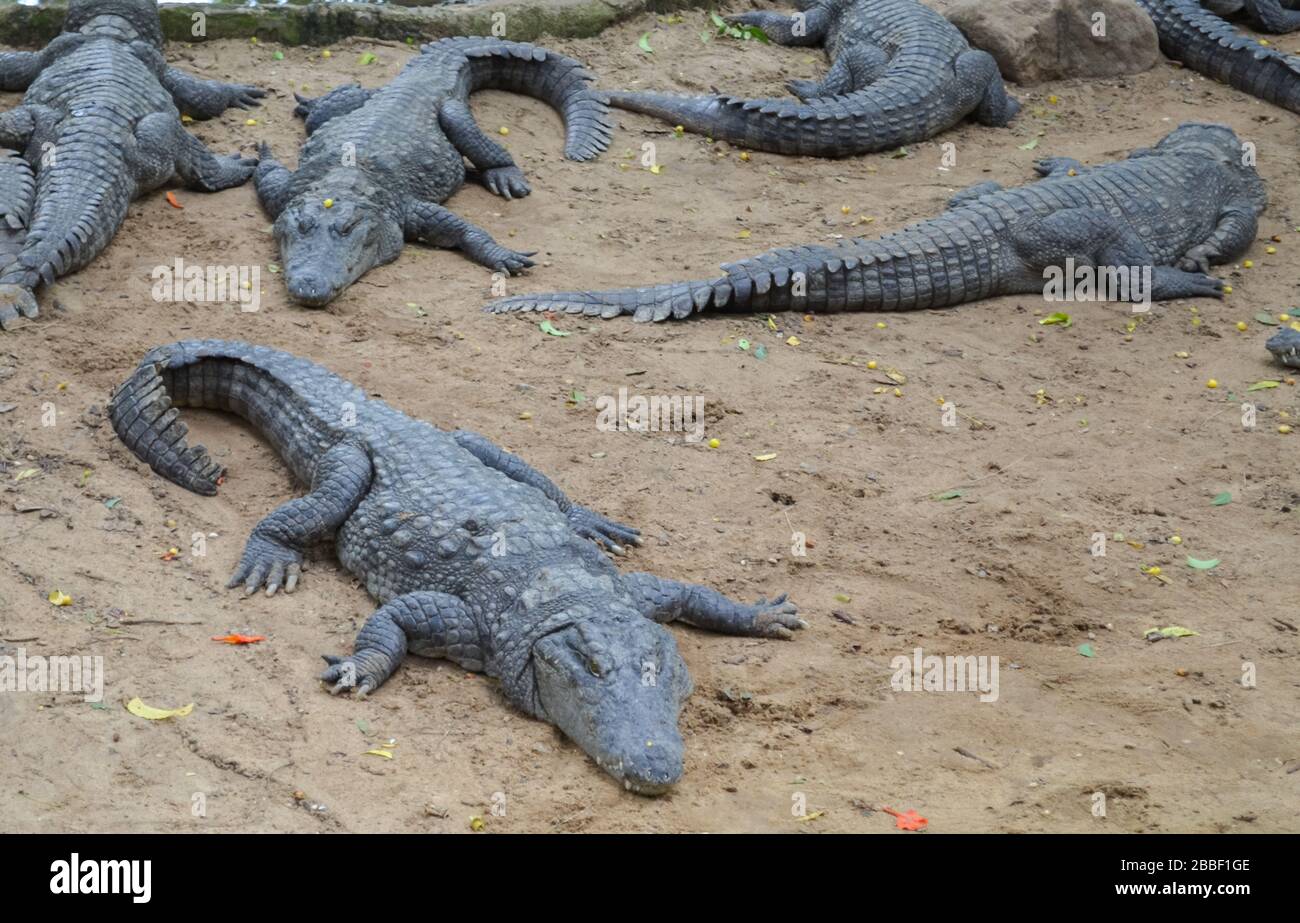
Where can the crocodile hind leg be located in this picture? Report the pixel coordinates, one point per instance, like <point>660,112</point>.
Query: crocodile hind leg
<point>426,623</point>
<point>1233,235</point>
<point>856,68</point>
<point>338,101</point>
<point>272,180</point>
<point>669,601</point>
<point>973,193</point>
<point>587,523</point>
<point>805,28</point>
<point>497,170</point>
<point>207,99</point>
<point>431,223</point>
<point>1093,238</point>
<point>273,554</point>
<point>978,70</point>
<point>18,69</point>
<point>203,170</point>
<point>1272,16</point>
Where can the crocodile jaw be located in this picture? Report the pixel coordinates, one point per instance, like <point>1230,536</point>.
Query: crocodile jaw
<point>1285,347</point>
<point>625,718</point>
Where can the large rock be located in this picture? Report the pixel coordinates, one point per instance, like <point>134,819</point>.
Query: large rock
<point>1037,40</point>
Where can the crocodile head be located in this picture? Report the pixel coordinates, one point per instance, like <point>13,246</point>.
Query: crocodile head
<point>1285,347</point>
<point>329,240</point>
<point>615,685</point>
<point>128,20</point>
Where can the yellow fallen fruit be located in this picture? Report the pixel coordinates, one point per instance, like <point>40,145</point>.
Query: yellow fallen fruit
<point>844,209</point>
<point>1175,539</point>
<point>1227,290</point>
<point>1241,325</point>
<point>141,710</point>
<point>744,156</point>
<point>1212,383</point>
<point>768,457</point>
<point>793,341</point>
<point>250,122</point>
<point>386,754</point>
<point>1270,249</point>
<point>476,824</point>
<point>503,130</point>
<point>59,598</point>
<point>1247,264</point>
<point>1284,429</point>
<point>871,364</point>
<point>328,203</point>
<point>327,53</point>
<point>881,325</point>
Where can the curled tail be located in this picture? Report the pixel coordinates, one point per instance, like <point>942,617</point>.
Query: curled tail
<point>560,81</point>
<point>288,399</point>
<point>17,192</point>
<point>1195,36</point>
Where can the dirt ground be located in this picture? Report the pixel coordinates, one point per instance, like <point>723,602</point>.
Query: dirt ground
<point>1063,432</point>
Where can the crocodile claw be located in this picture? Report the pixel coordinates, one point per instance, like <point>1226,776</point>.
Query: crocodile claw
<point>777,619</point>
<point>15,302</point>
<point>604,532</point>
<point>507,182</point>
<point>245,96</point>
<point>343,672</point>
<point>267,563</point>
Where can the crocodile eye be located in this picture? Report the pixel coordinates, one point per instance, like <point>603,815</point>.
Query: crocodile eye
<point>348,225</point>
<point>594,668</point>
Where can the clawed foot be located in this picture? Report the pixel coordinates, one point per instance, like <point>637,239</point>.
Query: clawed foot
<point>346,673</point>
<point>244,96</point>
<point>1198,259</point>
<point>777,619</point>
<point>604,532</point>
<point>1173,283</point>
<point>485,251</point>
<point>16,302</point>
<point>507,182</point>
<point>804,89</point>
<point>266,561</point>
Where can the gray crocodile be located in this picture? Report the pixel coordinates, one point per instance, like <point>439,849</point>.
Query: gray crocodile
<point>1285,347</point>
<point>1175,210</point>
<point>1276,16</point>
<point>473,555</point>
<point>99,126</point>
<point>1207,44</point>
<point>900,73</point>
<point>378,163</point>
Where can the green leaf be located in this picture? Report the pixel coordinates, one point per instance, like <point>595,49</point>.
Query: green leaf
<point>1263,385</point>
<point>1086,650</point>
<point>948,495</point>
<point>1030,146</point>
<point>1222,499</point>
<point>644,44</point>
<point>368,58</point>
<point>1060,317</point>
<point>278,56</point>
<point>1170,631</point>
<point>1202,565</point>
<point>547,327</point>
<point>1264,317</point>
<point>742,343</point>
<point>112,502</point>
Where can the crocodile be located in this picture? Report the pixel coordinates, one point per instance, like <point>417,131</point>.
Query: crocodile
<point>99,125</point>
<point>1195,36</point>
<point>1276,16</point>
<point>1174,210</point>
<point>378,163</point>
<point>900,73</point>
<point>1285,347</point>
<point>473,555</point>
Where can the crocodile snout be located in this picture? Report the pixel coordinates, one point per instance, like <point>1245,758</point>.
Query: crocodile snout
<point>653,767</point>
<point>1285,347</point>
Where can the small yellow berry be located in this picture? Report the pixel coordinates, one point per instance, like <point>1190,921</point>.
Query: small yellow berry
<point>714,443</point>
<point>1182,355</point>
<point>1284,317</point>
<point>1241,325</point>
<point>1247,264</point>
<point>503,130</point>
<point>881,325</point>
<point>1227,290</point>
<point>1212,383</point>
<point>744,156</point>
<point>1270,249</point>
<point>250,122</point>
<point>326,53</point>
<point>898,392</point>
<point>1154,570</point>
<point>1175,539</point>
<point>328,203</point>
<point>1284,429</point>
<point>844,209</point>
<point>871,364</point>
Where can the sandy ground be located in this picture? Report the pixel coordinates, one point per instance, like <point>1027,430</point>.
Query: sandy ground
<point>1063,433</point>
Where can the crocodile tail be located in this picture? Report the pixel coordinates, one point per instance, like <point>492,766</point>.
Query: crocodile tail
<point>1205,43</point>
<point>562,82</point>
<point>783,126</point>
<point>928,267</point>
<point>85,188</point>
<point>143,416</point>
<point>17,191</point>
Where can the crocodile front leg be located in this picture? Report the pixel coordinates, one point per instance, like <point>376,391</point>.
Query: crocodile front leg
<point>18,69</point>
<point>273,555</point>
<point>430,222</point>
<point>1232,236</point>
<point>426,623</point>
<point>497,170</point>
<point>587,523</point>
<point>203,170</point>
<point>338,101</point>
<point>856,68</point>
<point>669,601</point>
<point>207,99</point>
<point>272,180</point>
